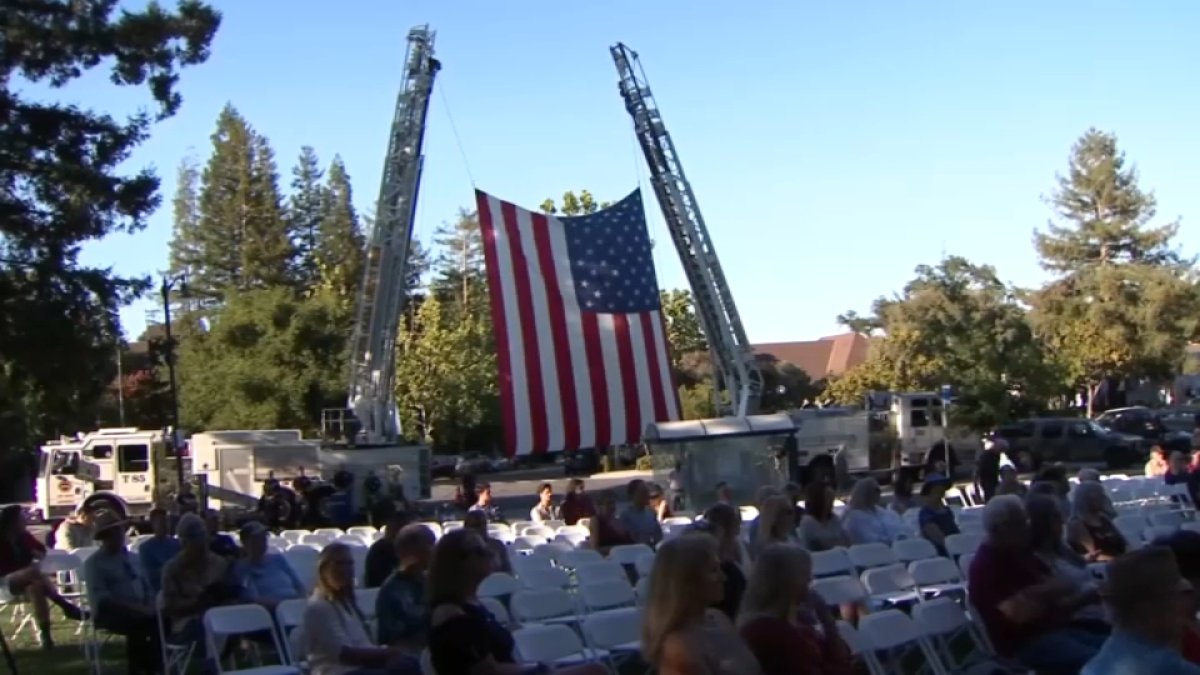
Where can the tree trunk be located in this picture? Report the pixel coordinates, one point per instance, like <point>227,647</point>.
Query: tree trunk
<point>1092,390</point>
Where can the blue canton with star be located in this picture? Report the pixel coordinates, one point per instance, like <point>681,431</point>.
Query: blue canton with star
<point>611,263</point>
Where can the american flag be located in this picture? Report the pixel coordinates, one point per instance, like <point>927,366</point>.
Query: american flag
<point>582,351</point>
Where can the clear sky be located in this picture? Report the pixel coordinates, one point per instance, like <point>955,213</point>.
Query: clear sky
<point>832,146</point>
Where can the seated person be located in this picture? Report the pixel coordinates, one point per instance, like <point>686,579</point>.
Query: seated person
<point>576,505</point>
<point>20,555</point>
<point>1010,481</point>
<point>935,517</point>
<point>865,521</point>
<point>219,543</point>
<point>1046,539</point>
<point>120,597</point>
<point>381,557</point>
<point>640,519</point>
<point>334,634</point>
<point>545,509</point>
<point>1091,531</point>
<point>154,552</point>
<point>74,532</point>
<point>1024,608</point>
<point>1180,471</point>
<point>606,530</point>
<point>484,502</point>
<point>464,637</point>
<point>475,520</point>
<point>265,578</point>
<point>195,581</point>
<point>401,608</point>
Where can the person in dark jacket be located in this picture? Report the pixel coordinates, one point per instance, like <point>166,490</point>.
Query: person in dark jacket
<point>987,468</point>
<point>381,557</point>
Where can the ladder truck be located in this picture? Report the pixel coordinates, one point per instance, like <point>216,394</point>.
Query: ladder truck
<point>381,297</point>
<point>739,381</point>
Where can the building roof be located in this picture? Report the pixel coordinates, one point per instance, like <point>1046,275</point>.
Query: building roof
<point>832,355</point>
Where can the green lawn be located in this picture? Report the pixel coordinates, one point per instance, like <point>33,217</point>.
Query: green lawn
<point>67,656</point>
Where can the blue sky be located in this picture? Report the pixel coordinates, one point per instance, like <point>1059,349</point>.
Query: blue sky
<point>832,146</point>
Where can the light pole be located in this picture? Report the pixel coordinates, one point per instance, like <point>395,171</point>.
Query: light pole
<point>169,283</point>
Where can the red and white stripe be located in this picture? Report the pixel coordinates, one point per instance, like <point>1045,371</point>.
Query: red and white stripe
<point>569,379</point>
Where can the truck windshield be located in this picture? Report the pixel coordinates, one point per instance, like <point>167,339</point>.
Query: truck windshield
<point>59,463</point>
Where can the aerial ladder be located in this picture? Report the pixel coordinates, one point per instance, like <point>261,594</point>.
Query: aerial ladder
<point>381,297</point>
<point>739,380</point>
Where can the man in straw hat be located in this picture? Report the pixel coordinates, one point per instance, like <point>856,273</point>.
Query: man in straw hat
<point>1146,597</point>
<point>119,595</point>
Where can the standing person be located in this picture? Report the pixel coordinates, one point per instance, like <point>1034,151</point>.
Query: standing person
<point>120,596</point>
<point>1147,598</point>
<point>576,504</point>
<point>20,556</point>
<point>638,519</point>
<point>545,509</point>
<point>724,494</point>
<point>987,467</point>
<point>681,634</point>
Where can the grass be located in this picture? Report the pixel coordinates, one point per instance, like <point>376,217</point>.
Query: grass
<point>67,656</point>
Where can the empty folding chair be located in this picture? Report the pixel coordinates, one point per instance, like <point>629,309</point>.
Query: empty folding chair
<point>840,590</point>
<point>573,539</point>
<point>891,584</point>
<point>317,540</point>
<point>892,637</point>
<point>945,626</point>
<point>601,571</point>
<point>573,530</point>
<point>627,554</point>
<point>936,575</point>
<point>526,543</point>
<point>498,585</point>
<point>964,565</point>
<point>577,557</point>
<point>542,605</point>
<point>831,562</point>
<point>1171,519</point>
<point>352,540</point>
<point>1130,523</point>
<point>304,563</point>
<point>859,647</point>
<point>551,550</point>
<point>293,536</point>
<point>641,589</point>
<point>1157,532</point>
<point>644,565</point>
<point>602,595</point>
<point>548,577</point>
<point>221,623</point>
<point>617,630</point>
<point>539,532</point>
<point>526,563</point>
<point>557,645</point>
<point>499,529</point>
<point>365,599</point>
<point>289,615</point>
<point>365,532</point>
<point>451,525</point>
<point>908,550</point>
<point>866,556</point>
<point>961,544</point>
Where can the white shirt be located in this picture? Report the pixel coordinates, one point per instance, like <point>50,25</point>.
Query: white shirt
<point>538,514</point>
<point>876,526</point>
<point>329,627</point>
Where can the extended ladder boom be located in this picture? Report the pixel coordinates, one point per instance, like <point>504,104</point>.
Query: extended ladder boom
<point>737,373</point>
<point>381,296</point>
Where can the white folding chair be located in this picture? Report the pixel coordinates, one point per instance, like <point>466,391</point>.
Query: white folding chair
<point>892,636</point>
<point>365,532</point>
<point>607,570</point>
<point>936,575</point>
<point>220,623</point>
<point>840,590</point>
<point>304,563</point>
<point>293,536</point>
<point>497,609</point>
<point>579,556</point>
<point>641,589</point>
<point>832,562</point>
<point>891,584</point>
<point>548,577</point>
<point>542,605</point>
<point>601,595</point>
<point>616,631</point>
<point>961,544</point>
<point>176,656</point>
<point>866,556</point>
<point>944,624</point>
<point>627,554</point>
<point>289,614</point>
<point>555,644</point>
<point>498,585</point>
<point>908,550</point>
<point>366,598</point>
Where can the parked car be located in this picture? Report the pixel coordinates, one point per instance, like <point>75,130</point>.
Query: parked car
<point>1066,439</point>
<point>442,466</point>
<point>1151,425</point>
<point>473,464</point>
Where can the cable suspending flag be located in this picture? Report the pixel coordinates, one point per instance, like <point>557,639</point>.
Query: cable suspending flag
<point>581,345</point>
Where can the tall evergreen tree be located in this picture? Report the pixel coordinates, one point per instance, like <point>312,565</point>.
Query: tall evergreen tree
<point>340,246</point>
<point>185,207</point>
<point>459,274</point>
<point>305,212</point>
<point>64,187</point>
<point>241,240</point>
<point>1123,305</point>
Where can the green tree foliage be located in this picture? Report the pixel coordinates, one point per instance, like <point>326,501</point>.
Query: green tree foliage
<point>958,324</point>
<point>340,245</point>
<point>785,385</point>
<point>1123,303</point>
<point>447,368</point>
<point>459,276</point>
<point>573,204</point>
<point>240,240</point>
<point>684,333</point>
<point>305,215</point>
<point>269,360</point>
<point>58,318</point>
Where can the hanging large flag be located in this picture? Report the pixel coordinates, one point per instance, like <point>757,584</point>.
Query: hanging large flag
<point>582,351</point>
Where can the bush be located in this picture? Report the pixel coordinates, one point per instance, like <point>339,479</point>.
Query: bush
<point>644,463</point>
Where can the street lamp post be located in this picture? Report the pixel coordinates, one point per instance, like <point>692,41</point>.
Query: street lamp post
<point>168,284</point>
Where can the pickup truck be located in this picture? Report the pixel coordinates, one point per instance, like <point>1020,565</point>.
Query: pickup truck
<point>1068,439</point>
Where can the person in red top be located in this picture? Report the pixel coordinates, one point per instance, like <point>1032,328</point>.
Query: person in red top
<point>1186,547</point>
<point>789,628</point>
<point>20,554</point>
<point>576,505</point>
<point>1024,608</point>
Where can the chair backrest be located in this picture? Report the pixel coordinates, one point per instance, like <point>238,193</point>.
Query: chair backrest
<point>840,590</point>
<point>577,557</point>
<point>290,613</point>
<point>888,579</point>
<point>960,544</point>
<point>539,532</point>
<point>606,570</point>
<point>553,549</point>
<point>908,550</point>
<point>60,561</point>
<point>366,598</point>
<point>964,565</point>
<point>644,565</point>
<point>497,584</point>
<point>497,609</point>
<point>641,590</point>
<point>546,644</point>
<point>600,595</point>
<point>890,629</point>
<point>573,530</point>
<point>293,536</point>
<point>1157,531</point>
<point>304,563</point>
<point>223,622</point>
<point>627,554</point>
<point>541,604</point>
<point>613,628</point>
<point>865,556</point>
<point>549,577</point>
<point>933,571</point>
<point>832,562</point>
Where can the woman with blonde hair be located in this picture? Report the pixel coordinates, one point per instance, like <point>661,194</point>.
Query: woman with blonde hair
<point>335,635</point>
<point>1091,531</point>
<point>776,524</point>
<point>464,637</point>
<point>865,521</point>
<point>681,635</point>
<point>780,617</point>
